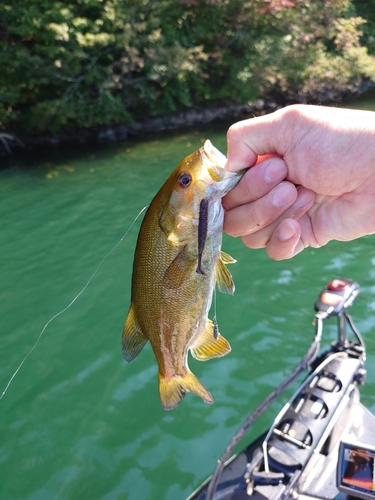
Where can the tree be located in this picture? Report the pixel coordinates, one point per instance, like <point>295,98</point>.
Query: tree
<point>82,63</point>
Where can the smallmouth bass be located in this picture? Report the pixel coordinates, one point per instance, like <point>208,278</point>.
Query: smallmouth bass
<point>177,263</point>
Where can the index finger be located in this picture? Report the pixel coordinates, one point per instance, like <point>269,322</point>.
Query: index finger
<point>257,181</point>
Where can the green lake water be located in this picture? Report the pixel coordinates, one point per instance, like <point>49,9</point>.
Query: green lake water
<point>77,421</point>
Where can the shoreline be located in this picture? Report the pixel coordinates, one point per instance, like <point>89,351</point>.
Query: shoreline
<point>11,143</point>
<point>195,116</point>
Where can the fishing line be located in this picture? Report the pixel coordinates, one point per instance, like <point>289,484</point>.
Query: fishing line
<point>214,319</point>
<point>70,303</point>
<point>216,327</point>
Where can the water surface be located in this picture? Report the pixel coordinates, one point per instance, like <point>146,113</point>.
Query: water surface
<point>78,422</point>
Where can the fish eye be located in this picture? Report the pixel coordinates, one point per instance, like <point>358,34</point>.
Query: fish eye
<point>184,180</point>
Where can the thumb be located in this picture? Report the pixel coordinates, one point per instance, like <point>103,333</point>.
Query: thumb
<point>248,139</point>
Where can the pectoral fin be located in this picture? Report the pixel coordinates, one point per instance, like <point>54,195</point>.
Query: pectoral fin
<point>223,277</point>
<point>207,347</point>
<point>176,273</point>
<point>133,339</point>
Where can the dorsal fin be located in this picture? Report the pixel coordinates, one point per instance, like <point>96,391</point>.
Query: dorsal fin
<point>133,339</point>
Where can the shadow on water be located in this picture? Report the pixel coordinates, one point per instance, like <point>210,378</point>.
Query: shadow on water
<point>77,421</point>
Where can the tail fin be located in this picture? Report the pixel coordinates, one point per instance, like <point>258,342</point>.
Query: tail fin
<point>173,389</point>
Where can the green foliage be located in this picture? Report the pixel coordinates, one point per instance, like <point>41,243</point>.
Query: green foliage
<point>366,9</point>
<point>81,63</point>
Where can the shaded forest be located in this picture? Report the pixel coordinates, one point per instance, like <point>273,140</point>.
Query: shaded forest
<point>84,63</point>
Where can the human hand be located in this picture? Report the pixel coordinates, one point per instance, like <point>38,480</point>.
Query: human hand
<point>318,186</point>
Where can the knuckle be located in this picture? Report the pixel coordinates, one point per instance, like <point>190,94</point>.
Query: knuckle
<point>253,241</point>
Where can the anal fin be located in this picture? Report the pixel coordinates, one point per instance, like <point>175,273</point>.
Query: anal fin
<point>207,347</point>
<point>133,339</point>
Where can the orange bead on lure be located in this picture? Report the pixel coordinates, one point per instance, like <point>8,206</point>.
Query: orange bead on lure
<point>177,263</point>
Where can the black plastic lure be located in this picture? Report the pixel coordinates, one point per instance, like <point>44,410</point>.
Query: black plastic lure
<point>202,232</point>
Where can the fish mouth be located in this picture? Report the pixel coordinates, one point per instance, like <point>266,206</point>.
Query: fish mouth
<point>214,174</point>
<point>214,161</point>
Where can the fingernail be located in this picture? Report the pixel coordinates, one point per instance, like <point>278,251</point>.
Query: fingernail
<point>286,231</point>
<point>284,194</point>
<point>275,172</point>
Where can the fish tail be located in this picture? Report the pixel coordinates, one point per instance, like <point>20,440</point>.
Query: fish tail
<point>173,389</point>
